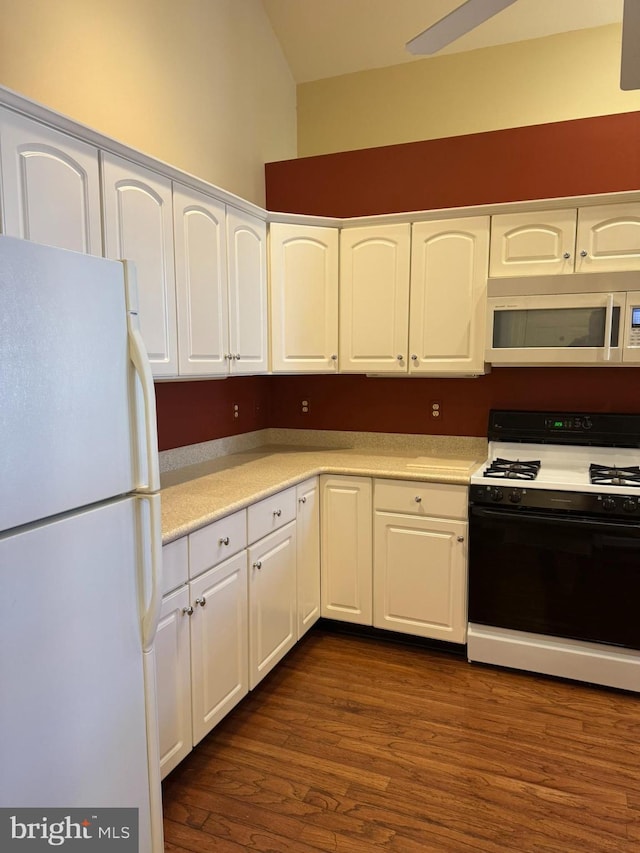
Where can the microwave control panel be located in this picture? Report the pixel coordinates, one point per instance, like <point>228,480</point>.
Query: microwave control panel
<point>634,329</point>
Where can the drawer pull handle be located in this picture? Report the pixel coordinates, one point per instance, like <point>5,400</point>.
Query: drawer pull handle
<point>223,541</point>
<point>257,564</point>
<point>201,601</point>
<point>188,610</point>
<point>460,538</point>
<point>277,513</point>
<point>418,499</point>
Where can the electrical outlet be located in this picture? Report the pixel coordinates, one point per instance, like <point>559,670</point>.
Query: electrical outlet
<point>236,410</point>
<point>305,406</point>
<point>436,409</point>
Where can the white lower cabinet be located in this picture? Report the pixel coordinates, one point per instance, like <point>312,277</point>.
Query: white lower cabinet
<point>308,554</point>
<point>420,564</point>
<point>219,666</point>
<point>173,680</point>
<point>272,601</point>
<point>346,549</point>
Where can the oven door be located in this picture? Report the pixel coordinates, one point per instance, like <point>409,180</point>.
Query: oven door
<point>544,573</point>
<point>579,328</point>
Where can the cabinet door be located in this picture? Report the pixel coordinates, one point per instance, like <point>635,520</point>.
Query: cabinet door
<point>308,554</point>
<point>420,576</point>
<point>138,226</point>
<point>173,680</point>
<point>50,186</point>
<point>374,299</point>
<point>201,283</point>
<point>247,265</point>
<point>219,662</point>
<point>540,243</point>
<point>272,601</point>
<point>449,262</point>
<point>303,266</point>
<point>608,238</point>
<point>346,555</point>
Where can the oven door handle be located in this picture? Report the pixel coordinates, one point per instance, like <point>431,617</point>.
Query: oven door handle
<point>553,518</point>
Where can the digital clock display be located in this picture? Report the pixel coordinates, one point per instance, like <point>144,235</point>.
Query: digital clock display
<point>558,424</point>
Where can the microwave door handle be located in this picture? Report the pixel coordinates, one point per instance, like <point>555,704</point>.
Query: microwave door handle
<point>607,327</point>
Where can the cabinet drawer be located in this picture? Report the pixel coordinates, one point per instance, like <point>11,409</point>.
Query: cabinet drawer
<point>268,515</point>
<point>443,500</point>
<point>216,542</point>
<point>175,564</point>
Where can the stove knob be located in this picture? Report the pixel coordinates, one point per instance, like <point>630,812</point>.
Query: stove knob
<point>496,494</point>
<point>629,505</point>
<point>608,504</point>
<point>516,496</point>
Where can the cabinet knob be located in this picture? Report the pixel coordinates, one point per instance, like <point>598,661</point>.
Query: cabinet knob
<point>188,610</point>
<point>257,564</point>
<point>237,356</point>
<point>566,256</point>
<point>227,356</point>
<point>201,601</point>
<point>460,538</point>
<point>400,357</point>
<point>303,500</point>
<point>583,254</point>
<point>223,541</point>
<point>334,357</point>
<point>414,357</point>
<point>418,499</point>
<point>277,513</point>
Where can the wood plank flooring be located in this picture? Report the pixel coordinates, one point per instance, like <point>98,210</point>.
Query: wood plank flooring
<point>354,745</point>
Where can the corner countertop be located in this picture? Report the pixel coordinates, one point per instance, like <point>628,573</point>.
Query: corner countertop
<point>196,495</point>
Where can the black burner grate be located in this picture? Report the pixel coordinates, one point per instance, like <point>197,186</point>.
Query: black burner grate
<point>514,469</point>
<point>605,475</point>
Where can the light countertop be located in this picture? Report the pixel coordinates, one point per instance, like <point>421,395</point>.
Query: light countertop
<point>196,495</point>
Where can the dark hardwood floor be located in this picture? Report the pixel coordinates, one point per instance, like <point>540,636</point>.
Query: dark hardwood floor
<point>354,745</point>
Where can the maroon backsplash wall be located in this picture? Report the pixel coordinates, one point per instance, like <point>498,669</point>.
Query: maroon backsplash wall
<point>543,161</point>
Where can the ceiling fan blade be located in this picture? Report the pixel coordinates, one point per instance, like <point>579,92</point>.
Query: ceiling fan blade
<point>630,60</point>
<point>462,20</point>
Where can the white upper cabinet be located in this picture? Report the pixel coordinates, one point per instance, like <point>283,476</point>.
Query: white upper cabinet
<point>247,270</point>
<point>138,226</point>
<point>201,283</point>
<point>50,186</point>
<point>303,266</point>
<point>449,261</point>
<point>601,238</point>
<point>374,299</point>
<point>608,238</point>
<point>540,243</point>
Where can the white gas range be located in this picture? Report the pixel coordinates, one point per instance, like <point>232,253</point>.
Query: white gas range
<point>554,547</point>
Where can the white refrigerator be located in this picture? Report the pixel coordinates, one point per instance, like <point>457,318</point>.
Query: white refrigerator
<point>80,539</point>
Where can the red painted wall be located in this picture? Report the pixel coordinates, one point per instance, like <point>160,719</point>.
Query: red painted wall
<point>543,161</point>
<point>578,157</point>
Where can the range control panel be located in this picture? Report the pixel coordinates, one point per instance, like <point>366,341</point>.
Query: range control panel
<point>634,329</point>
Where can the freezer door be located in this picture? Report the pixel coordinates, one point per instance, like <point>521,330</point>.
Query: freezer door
<point>65,426</point>
<point>73,717</point>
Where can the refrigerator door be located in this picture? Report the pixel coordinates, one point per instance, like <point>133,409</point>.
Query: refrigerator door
<point>65,423</point>
<point>75,730</point>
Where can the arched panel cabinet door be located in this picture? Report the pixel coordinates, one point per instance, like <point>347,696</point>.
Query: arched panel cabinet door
<point>201,283</point>
<point>449,260</point>
<point>50,186</point>
<point>138,226</point>
<point>533,243</point>
<point>374,298</point>
<point>247,270</point>
<point>303,281</point>
<point>608,238</point>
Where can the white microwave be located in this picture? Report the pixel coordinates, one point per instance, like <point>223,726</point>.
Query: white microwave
<point>580,319</point>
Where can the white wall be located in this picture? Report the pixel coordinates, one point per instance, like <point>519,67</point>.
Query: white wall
<point>200,84</point>
<point>567,76</point>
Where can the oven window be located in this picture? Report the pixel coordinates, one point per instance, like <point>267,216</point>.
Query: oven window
<point>553,327</point>
<point>573,578</point>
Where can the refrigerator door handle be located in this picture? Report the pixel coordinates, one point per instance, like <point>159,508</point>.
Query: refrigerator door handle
<point>147,434</point>
<point>152,532</point>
